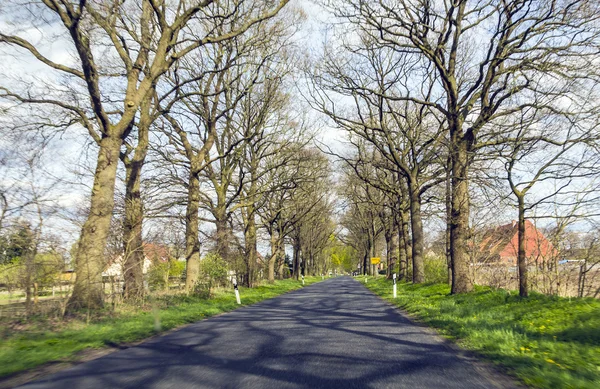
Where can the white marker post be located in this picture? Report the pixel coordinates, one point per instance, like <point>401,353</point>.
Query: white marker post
<point>394,285</point>
<point>302,279</point>
<point>237,292</point>
<point>366,278</point>
<point>322,276</point>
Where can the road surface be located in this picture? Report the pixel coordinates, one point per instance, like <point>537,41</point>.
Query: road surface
<point>333,334</point>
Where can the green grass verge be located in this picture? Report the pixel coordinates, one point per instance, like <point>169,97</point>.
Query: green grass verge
<point>24,350</point>
<point>546,341</point>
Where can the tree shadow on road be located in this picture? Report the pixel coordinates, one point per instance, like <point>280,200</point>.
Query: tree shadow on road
<point>334,334</point>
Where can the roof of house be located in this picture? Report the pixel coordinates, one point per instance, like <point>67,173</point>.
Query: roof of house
<point>152,252</point>
<point>502,242</point>
<point>156,252</point>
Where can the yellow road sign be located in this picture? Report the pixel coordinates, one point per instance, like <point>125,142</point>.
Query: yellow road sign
<point>375,260</point>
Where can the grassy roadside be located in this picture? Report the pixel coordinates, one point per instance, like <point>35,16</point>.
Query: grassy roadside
<point>546,341</point>
<point>40,343</point>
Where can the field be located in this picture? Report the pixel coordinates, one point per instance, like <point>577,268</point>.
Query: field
<point>545,341</point>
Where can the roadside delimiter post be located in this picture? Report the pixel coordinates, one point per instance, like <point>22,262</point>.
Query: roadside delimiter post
<point>237,292</point>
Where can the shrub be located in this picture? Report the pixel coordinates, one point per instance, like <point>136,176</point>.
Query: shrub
<point>160,272</point>
<point>44,270</point>
<point>436,270</point>
<point>213,269</point>
<point>202,289</point>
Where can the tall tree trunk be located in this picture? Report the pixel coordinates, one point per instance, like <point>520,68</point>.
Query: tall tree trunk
<point>192,241</point>
<point>90,262</point>
<point>448,218</point>
<point>134,207</point>
<point>521,258</point>
<point>296,260</point>
<point>402,258</point>
<point>222,232</point>
<point>407,240</point>
<point>459,223</point>
<point>250,227</point>
<point>367,261</point>
<point>250,243</point>
<point>418,275</point>
<point>394,248</point>
<point>388,254</point>
<point>306,262</point>
<point>132,232</point>
<point>281,256</point>
<point>273,259</point>
<point>271,270</point>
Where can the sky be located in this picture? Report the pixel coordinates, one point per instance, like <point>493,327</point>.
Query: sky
<point>66,163</point>
<point>69,158</point>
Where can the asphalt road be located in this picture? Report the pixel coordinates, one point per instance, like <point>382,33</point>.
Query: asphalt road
<point>333,334</point>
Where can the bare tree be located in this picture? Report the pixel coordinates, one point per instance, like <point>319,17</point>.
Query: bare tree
<point>543,148</point>
<point>91,27</point>
<point>479,82</point>
<point>297,183</point>
<point>270,130</point>
<point>203,123</point>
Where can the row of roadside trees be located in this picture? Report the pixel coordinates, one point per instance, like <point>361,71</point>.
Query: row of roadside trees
<point>446,103</point>
<point>189,111</point>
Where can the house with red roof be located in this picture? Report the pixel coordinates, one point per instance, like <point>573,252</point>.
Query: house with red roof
<point>500,245</point>
<point>153,253</point>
